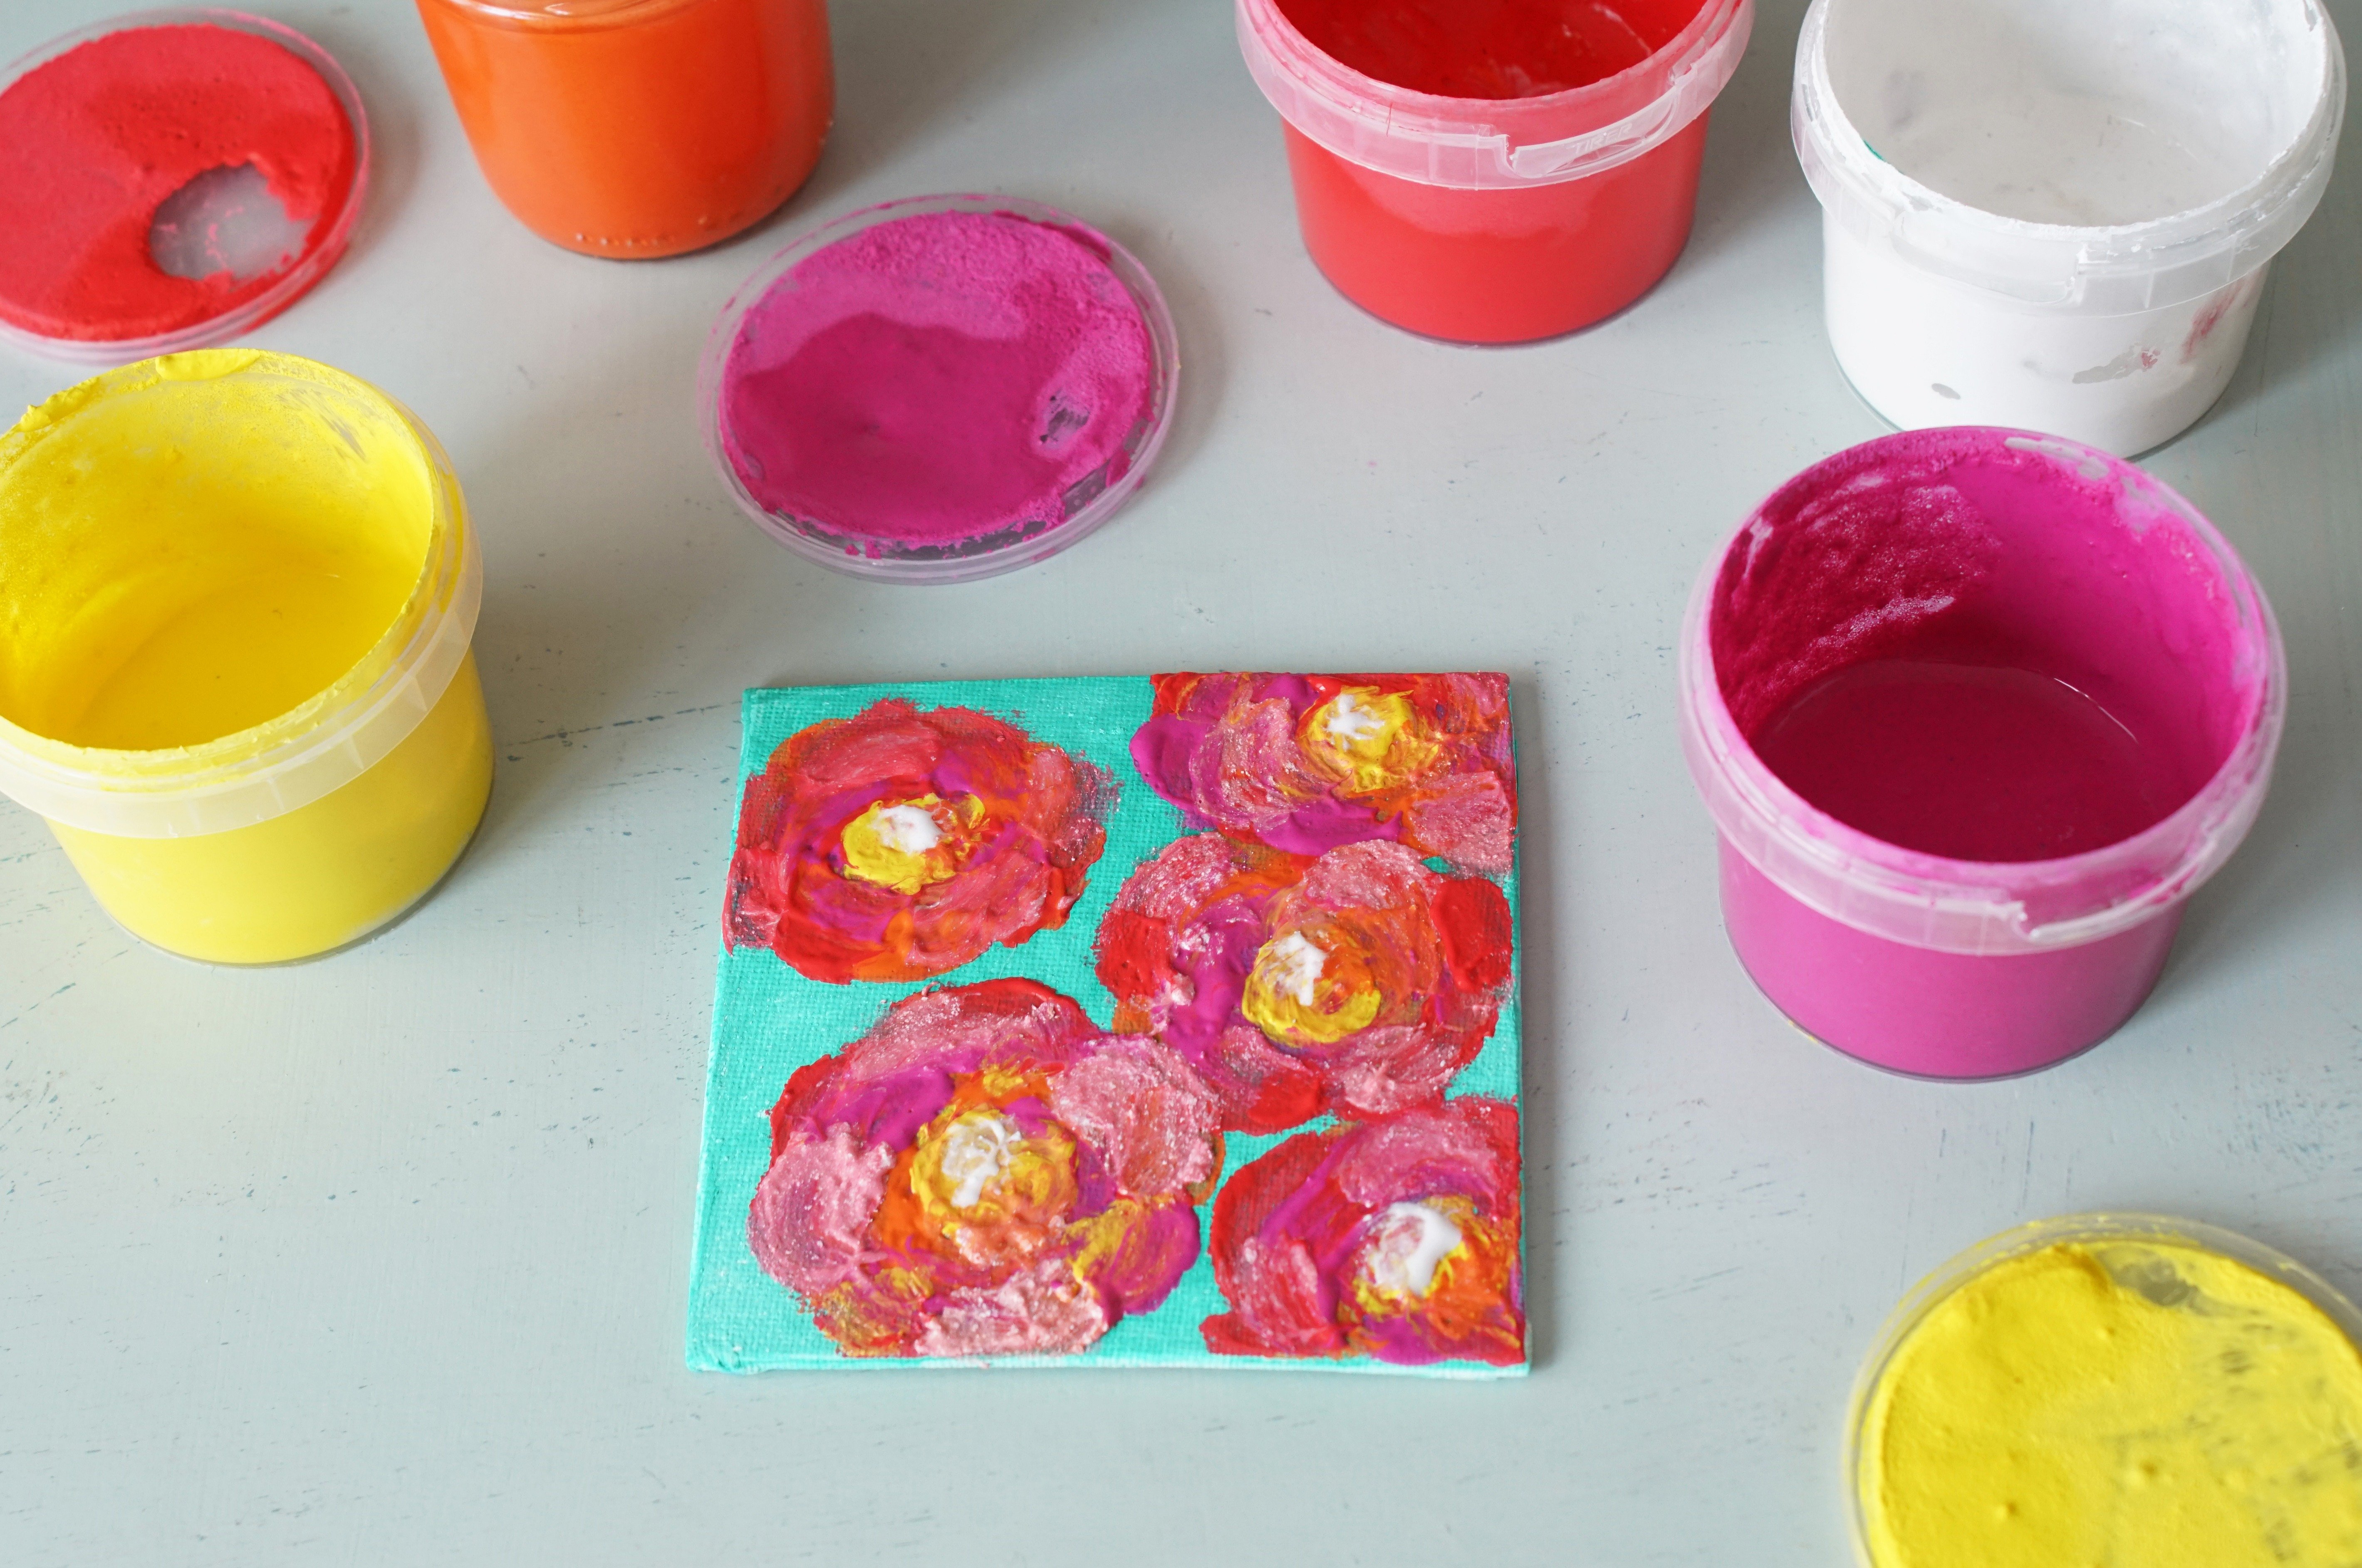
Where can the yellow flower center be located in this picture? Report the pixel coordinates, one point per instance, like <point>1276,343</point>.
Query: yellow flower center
<point>1365,738</point>
<point>1305,993</point>
<point>909,844</point>
<point>981,1169</point>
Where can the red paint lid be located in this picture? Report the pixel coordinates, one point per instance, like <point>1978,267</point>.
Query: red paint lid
<point>171,179</point>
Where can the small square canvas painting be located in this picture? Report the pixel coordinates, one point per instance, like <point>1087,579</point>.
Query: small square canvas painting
<point>1160,1021</point>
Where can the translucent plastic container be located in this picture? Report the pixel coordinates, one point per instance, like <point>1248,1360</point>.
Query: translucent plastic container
<point>236,677</point>
<point>215,221</point>
<point>2059,217</point>
<point>1498,220</point>
<point>841,543</point>
<point>2128,1231</point>
<point>638,128</point>
<point>1958,968</point>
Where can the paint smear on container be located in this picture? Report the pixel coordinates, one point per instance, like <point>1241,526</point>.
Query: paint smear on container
<point>2134,1400</point>
<point>940,386</point>
<point>104,148</point>
<point>1935,662</point>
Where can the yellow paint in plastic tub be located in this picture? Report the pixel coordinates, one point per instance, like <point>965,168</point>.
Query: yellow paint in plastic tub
<point>235,667</point>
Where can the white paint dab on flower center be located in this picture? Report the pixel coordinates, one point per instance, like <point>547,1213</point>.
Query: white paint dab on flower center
<point>1293,967</point>
<point>1413,1239</point>
<point>907,830</point>
<point>1353,721</point>
<point>977,1150</point>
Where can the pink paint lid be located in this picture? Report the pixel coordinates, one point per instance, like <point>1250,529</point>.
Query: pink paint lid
<point>225,220</point>
<point>939,389</point>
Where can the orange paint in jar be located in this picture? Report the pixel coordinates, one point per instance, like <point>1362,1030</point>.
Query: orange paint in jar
<point>638,127</point>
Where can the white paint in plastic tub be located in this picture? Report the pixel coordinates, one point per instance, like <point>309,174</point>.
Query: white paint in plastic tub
<point>2058,217</point>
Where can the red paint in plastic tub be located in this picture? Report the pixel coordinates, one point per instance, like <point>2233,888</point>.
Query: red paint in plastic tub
<point>1974,711</point>
<point>1500,171</point>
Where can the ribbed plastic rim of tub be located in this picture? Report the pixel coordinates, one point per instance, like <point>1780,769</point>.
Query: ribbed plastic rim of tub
<point>1491,144</point>
<point>2098,1228</point>
<point>290,286</point>
<point>848,552</point>
<point>319,747</point>
<point>2102,270</point>
<point>1965,906</point>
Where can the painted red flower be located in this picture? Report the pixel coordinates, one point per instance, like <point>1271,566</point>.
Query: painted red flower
<point>1396,1239</point>
<point>984,1173</point>
<point>1304,763</point>
<point>897,844</point>
<point>1358,983</point>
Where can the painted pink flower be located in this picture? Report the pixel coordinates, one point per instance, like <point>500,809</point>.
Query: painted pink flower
<point>1397,1239</point>
<point>1304,763</point>
<point>984,1173</point>
<point>1358,983</point>
<point>897,844</point>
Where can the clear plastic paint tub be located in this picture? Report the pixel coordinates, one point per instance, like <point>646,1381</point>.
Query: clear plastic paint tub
<point>2059,217</point>
<point>638,128</point>
<point>2123,1242</point>
<point>236,675</point>
<point>225,220</point>
<point>1990,556</point>
<point>1501,218</point>
<point>901,406</point>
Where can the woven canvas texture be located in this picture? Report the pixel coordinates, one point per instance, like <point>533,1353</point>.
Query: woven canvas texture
<point>769,1020</point>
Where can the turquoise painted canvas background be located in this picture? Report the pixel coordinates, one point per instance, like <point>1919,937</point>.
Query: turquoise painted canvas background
<point>769,1020</point>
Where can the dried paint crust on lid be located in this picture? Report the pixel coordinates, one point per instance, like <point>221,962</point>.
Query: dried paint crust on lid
<point>952,387</point>
<point>98,145</point>
<point>2103,1389</point>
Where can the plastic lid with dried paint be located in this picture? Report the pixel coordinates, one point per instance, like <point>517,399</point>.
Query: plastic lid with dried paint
<point>170,180</point>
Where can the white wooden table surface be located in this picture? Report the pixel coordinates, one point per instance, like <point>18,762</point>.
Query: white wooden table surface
<point>383,1259</point>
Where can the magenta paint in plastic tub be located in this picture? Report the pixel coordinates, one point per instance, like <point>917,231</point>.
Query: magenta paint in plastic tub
<point>1974,711</point>
<point>941,388</point>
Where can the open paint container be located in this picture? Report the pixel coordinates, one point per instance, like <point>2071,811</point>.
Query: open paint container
<point>235,676</point>
<point>1974,711</point>
<point>1495,173</point>
<point>940,389</point>
<point>171,179</point>
<point>638,128</point>
<point>2058,216</point>
<point>2110,1388</point>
